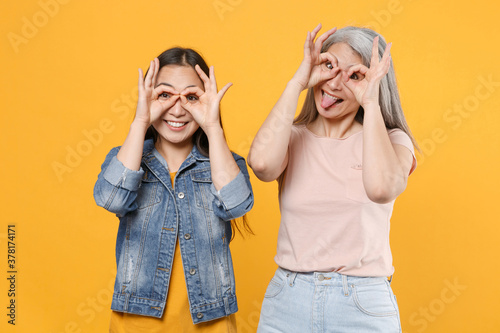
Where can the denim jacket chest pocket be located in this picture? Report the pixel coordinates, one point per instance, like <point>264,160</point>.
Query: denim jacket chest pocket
<point>149,193</point>
<point>202,181</point>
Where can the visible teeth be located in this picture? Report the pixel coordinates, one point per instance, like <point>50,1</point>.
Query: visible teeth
<point>175,124</point>
<point>332,97</point>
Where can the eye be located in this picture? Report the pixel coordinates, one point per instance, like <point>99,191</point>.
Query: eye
<point>357,76</point>
<point>192,98</point>
<point>329,65</point>
<point>164,95</point>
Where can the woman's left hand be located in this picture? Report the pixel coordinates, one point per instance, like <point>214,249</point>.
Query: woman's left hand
<point>204,105</point>
<point>365,82</point>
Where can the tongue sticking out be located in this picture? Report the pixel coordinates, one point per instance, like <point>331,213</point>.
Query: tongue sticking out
<point>328,101</point>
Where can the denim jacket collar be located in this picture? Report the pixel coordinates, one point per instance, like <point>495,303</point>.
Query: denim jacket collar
<point>157,167</point>
<point>195,154</point>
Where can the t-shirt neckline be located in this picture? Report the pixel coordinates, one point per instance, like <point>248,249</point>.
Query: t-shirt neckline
<point>327,137</point>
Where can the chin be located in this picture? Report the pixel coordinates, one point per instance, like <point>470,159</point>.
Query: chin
<point>176,139</point>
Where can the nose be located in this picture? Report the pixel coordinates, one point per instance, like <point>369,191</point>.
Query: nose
<point>177,110</point>
<point>335,83</point>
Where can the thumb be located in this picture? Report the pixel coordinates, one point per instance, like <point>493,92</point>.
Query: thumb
<point>185,103</point>
<point>328,75</point>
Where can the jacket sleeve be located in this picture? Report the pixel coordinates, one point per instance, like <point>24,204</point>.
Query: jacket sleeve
<point>116,186</point>
<point>236,198</point>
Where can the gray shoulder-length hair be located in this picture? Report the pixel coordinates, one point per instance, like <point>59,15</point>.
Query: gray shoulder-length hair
<point>361,41</point>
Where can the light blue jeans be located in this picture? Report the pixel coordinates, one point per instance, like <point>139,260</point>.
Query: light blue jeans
<point>328,302</point>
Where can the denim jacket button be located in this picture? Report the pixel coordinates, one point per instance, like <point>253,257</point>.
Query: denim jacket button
<point>187,236</point>
<point>199,315</point>
<point>192,271</point>
<point>180,195</point>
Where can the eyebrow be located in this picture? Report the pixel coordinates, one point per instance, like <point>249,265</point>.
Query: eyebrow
<point>169,85</point>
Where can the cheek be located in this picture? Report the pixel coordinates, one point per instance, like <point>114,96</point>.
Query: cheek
<point>194,128</point>
<point>349,94</point>
<point>318,96</point>
<point>157,123</point>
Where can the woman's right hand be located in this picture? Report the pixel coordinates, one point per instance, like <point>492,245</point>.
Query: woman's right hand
<point>153,102</point>
<point>310,71</point>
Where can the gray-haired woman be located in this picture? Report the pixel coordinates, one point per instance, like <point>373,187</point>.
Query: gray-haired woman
<point>340,164</point>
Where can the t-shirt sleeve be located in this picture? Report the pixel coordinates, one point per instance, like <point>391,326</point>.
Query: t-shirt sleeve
<point>294,136</point>
<point>398,137</point>
<point>292,144</point>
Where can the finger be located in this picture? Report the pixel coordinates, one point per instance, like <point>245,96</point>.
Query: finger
<point>386,65</point>
<point>171,101</point>
<point>359,68</point>
<point>202,75</point>
<point>328,75</point>
<point>192,91</point>
<point>186,104</point>
<point>183,99</point>
<point>385,62</point>
<point>156,70</point>
<point>315,31</point>
<point>389,62</point>
<point>387,53</point>
<point>356,69</point>
<point>164,88</point>
<point>149,75</point>
<point>168,103</point>
<point>213,81</point>
<point>222,92</point>
<point>307,45</point>
<point>312,46</point>
<point>350,84</point>
<point>328,57</point>
<point>374,60</point>
<point>321,39</point>
<point>141,81</point>
<point>164,106</point>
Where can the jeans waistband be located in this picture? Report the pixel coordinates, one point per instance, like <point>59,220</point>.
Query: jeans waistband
<point>329,278</point>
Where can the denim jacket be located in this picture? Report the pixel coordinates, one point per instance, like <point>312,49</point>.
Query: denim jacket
<point>153,215</point>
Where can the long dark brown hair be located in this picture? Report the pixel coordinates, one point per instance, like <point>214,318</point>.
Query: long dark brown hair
<point>188,57</point>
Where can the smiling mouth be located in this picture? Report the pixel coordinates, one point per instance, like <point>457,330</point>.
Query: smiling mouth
<point>175,124</point>
<point>328,100</point>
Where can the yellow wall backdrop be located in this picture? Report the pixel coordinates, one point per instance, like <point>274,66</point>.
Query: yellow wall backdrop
<point>68,91</point>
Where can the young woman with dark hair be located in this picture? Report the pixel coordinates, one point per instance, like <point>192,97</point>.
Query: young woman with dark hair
<point>175,186</point>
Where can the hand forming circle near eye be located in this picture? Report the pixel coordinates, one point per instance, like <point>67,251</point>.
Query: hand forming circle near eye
<point>204,105</point>
<point>152,102</point>
<point>310,71</point>
<point>366,81</point>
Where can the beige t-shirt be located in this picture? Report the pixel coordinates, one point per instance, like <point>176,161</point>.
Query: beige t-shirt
<point>327,221</point>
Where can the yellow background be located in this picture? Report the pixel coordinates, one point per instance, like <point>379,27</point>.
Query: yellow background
<point>71,69</point>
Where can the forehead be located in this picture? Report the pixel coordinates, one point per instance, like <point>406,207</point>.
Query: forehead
<point>345,55</point>
<point>179,77</point>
